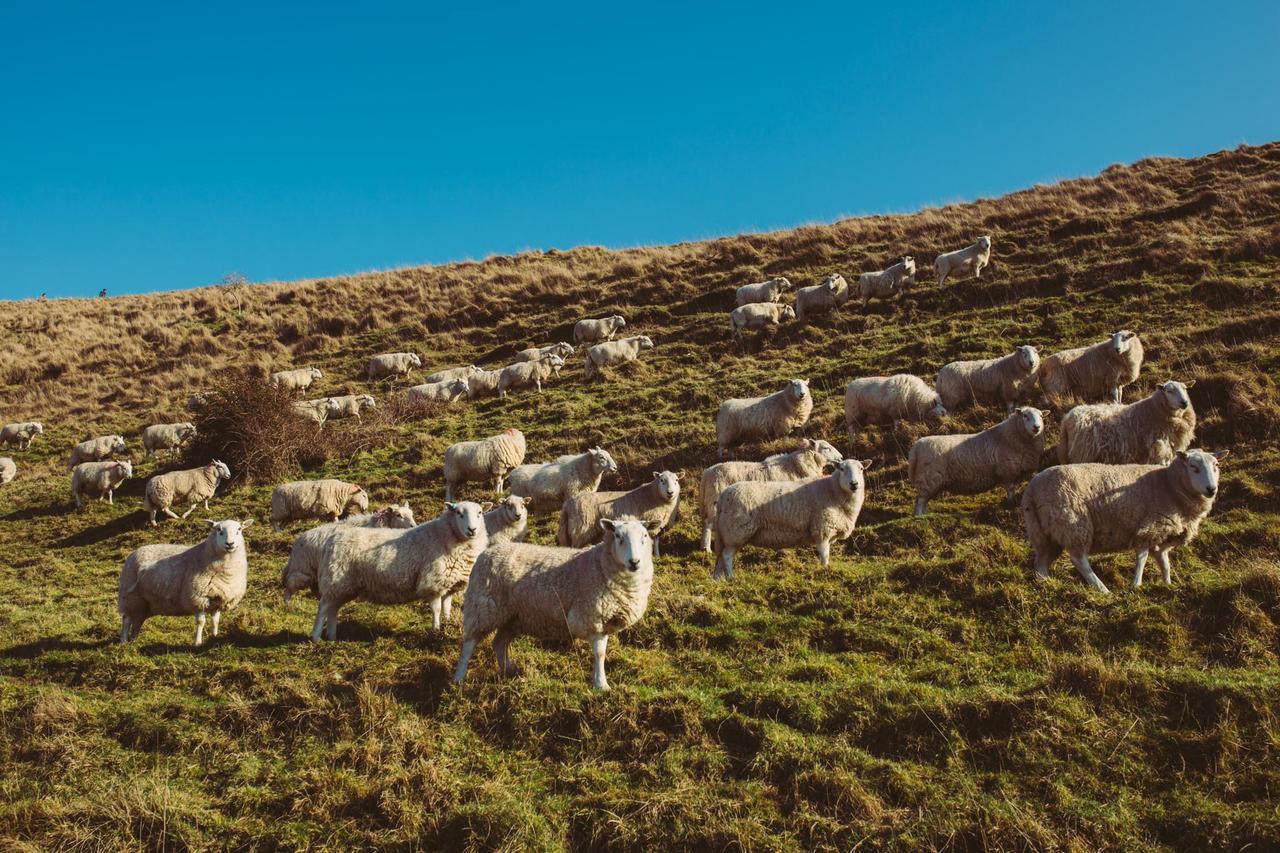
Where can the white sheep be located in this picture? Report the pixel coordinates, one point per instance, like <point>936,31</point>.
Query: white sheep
<point>614,353</point>
<point>525,374</point>
<point>789,514</point>
<point>489,459</point>
<point>1097,372</point>
<point>889,399</point>
<point>314,410</point>
<point>538,353</point>
<point>1100,509</point>
<point>1149,431</point>
<point>822,298</point>
<point>971,259</point>
<point>193,485</point>
<point>96,450</point>
<point>1003,455</point>
<point>655,503</point>
<point>761,418</point>
<point>758,315</point>
<point>453,373</point>
<point>8,470</point>
<point>1009,379</point>
<point>347,406</point>
<point>299,379</point>
<point>168,437</point>
<point>199,580</point>
<point>324,499</point>
<point>547,485</point>
<point>21,434</point>
<point>892,283</point>
<point>558,594</point>
<point>98,480</point>
<point>438,392</point>
<point>765,291</point>
<point>302,571</point>
<point>595,331</point>
<point>506,521</point>
<point>483,383</point>
<point>392,364</point>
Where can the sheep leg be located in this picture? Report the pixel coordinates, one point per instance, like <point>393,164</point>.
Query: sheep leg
<point>190,509</point>
<point>824,553</point>
<point>706,537</point>
<point>538,384</point>
<point>598,644</point>
<point>724,565</point>
<point>1086,572</point>
<point>922,506</point>
<point>318,627</point>
<point>111,497</point>
<point>448,490</point>
<point>1139,564</point>
<point>468,649</point>
<point>199,628</point>
<point>1008,495</point>
<point>657,551</point>
<point>497,484</point>
<point>168,512</point>
<point>501,652</point>
<point>1162,559</point>
<point>435,613</point>
<point>1117,394</point>
<point>217,617</point>
<point>446,608</point>
<point>206,504</point>
<point>124,630</point>
<point>79,503</point>
<point>331,616</point>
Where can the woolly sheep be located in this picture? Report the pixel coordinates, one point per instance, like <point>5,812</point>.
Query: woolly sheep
<point>821,298</point>
<point>1099,509</point>
<point>596,331</point>
<point>1149,431</point>
<point>337,408</point>
<point>490,459</point>
<point>296,380</point>
<point>970,259</point>
<point>538,353</point>
<point>507,521</point>
<point>524,374</point>
<point>453,373</point>
<point>1009,379</point>
<point>302,571</point>
<point>193,485</point>
<point>170,437</point>
<point>197,401</point>
<point>765,291</point>
<point>758,315</point>
<point>889,399</point>
<point>1097,372</point>
<point>655,503</point>
<point>547,485</point>
<point>789,514</point>
<point>558,594</point>
<point>8,470</point>
<point>324,499</point>
<point>483,383</point>
<point>314,410</point>
<point>761,418</point>
<point>21,434</point>
<point>890,283</point>
<point>1002,455</point>
<point>438,392</point>
<point>205,579</point>
<point>613,353</point>
<point>96,450</point>
<point>392,364</point>
<point>98,480</point>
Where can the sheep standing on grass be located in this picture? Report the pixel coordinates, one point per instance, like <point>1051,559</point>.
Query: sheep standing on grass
<point>558,594</point>
<point>298,380</point>
<point>507,521</point>
<point>596,331</point>
<point>438,392</point>
<point>547,485</point>
<point>324,499</point>
<point>21,434</point>
<point>821,298</point>
<point>8,470</point>
<point>761,418</point>
<point>392,364</point>
<point>185,580</point>
<point>302,571</point>
<point>1149,431</point>
<point>765,291</point>
<point>350,405</point>
<point>193,485</point>
<point>538,353</point>
<point>1097,372</point>
<point>892,283</point>
<point>889,399</point>
<point>314,410</point>
<point>483,383</point>
<point>971,259</point>
<point>167,437</point>
<point>758,315</point>
<point>453,373</point>
<point>1100,509</point>
<point>525,374</point>
<point>1009,379</point>
<point>490,459</point>
<point>789,514</point>
<point>614,353</point>
<point>655,503</point>
<point>96,450</point>
<point>98,480</point>
<point>1003,455</point>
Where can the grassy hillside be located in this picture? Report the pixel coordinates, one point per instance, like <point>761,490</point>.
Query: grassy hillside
<point>925,691</point>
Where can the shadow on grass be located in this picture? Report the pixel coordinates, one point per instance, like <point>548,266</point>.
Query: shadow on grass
<point>35,649</point>
<point>36,512</point>
<point>93,535</point>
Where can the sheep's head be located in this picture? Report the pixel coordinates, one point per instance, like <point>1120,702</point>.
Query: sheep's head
<point>1122,340</point>
<point>646,342</point>
<point>223,472</point>
<point>1175,395</point>
<point>937,411</point>
<point>797,389</point>
<point>1199,470</point>
<point>563,349</point>
<point>668,484</point>
<point>909,264</point>
<point>984,242</point>
<point>784,283</point>
<point>629,543</point>
<point>124,470</point>
<point>835,282</point>
<point>397,516</point>
<point>228,536</point>
<point>787,313</point>
<point>39,427</point>
<point>117,444</point>
<point>849,474</point>
<point>554,360</point>
<point>618,321</point>
<point>315,373</point>
<point>366,401</point>
<point>603,461</point>
<point>358,498</point>
<point>466,518</point>
<point>824,448</point>
<point>1032,420</point>
<point>513,508</point>
<point>457,388</point>
<point>1029,359</point>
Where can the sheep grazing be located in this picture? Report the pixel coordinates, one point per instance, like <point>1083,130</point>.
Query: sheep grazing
<point>431,561</point>
<point>758,315</point>
<point>96,450</point>
<point>655,503</point>
<point>508,521</point>
<point>789,514</point>
<point>558,594</point>
<point>483,383</point>
<point>1009,379</point>
<point>302,571</point>
<point>1097,372</point>
<point>438,392</point>
<point>525,374</point>
<point>8,470</point>
<point>892,283</point>
<point>547,485</point>
<point>889,399</point>
<point>453,373</point>
<point>1003,455</point>
<point>614,353</point>
<point>490,459</point>
<point>21,434</point>
<point>314,410</point>
<point>597,331</point>
<point>803,463</point>
<point>199,580</point>
<point>98,480</point>
<point>298,380</point>
<point>821,298</point>
<point>1149,431</point>
<point>538,353</point>
<point>324,499</point>
<point>167,437</point>
<point>971,259</point>
<point>765,291</point>
<point>762,418</point>
<point>392,364</point>
<point>347,406</point>
<point>193,485</point>
<point>1099,509</point>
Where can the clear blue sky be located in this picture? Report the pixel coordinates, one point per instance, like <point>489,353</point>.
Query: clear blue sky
<point>159,146</point>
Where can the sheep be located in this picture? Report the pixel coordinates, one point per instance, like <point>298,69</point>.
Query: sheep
<point>758,315</point>
<point>523,374</point>
<point>765,291</point>
<point>296,380</point>
<point>538,353</point>
<point>655,503</point>
<point>483,383</point>
<point>453,373</point>
<point>508,521</point>
<point>558,594</point>
<point>98,479</point>
<point>803,463</point>
<point>438,392</point>
<point>193,485</point>
<point>821,298</point>
<point>392,364</point>
<point>21,434</point>
<point>891,283</point>
<point>337,408</point>
<point>970,259</point>
<point>1149,431</point>
<point>170,437</point>
<point>789,514</point>
<point>198,401</point>
<point>1002,455</point>
<point>324,499</point>
<point>1096,372</point>
<point>613,353</point>
<point>431,561</point>
<point>1093,508</point>
<point>202,580</point>
<point>492,458</point>
<point>889,399</point>
<point>314,410</point>
<point>96,450</point>
<point>761,418</point>
<point>302,571</point>
<point>8,470</point>
<point>547,485</point>
<point>597,331</point>
<point>1008,379</point>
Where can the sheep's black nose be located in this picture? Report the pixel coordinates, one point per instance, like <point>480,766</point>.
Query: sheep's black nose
<point>633,564</point>
<point>1211,491</point>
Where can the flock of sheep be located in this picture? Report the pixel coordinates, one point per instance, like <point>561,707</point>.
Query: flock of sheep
<point>1127,482</point>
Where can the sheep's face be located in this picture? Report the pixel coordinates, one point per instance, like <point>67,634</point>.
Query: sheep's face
<point>834,282</point>
<point>849,474</point>
<point>938,411</point>
<point>1122,340</point>
<point>909,264</point>
<point>603,461</point>
<point>1201,470</point>
<point>1029,359</point>
<point>618,321</point>
<point>555,360</point>
<point>1176,396</point>
<point>1032,420</point>
<point>984,243</point>
<point>797,389</point>
<point>563,349</point>
<point>358,499</point>
<point>668,485</point>
<point>513,508</point>
<point>414,360</point>
<point>629,543</point>
<point>457,388</point>
<point>645,342</point>
<point>467,519</point>
<point>397,517</point>
<point>125,470</point>
<point>227,536</point>
<point>827,450</point>
<point>315,373</point>
<point>787,313</point>
<point>365,401</point>
<point>221,468</point>
<point>117,444</point>
<point>39,428</point>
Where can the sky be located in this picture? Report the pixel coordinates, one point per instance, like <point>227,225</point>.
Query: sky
<point>162,146</point>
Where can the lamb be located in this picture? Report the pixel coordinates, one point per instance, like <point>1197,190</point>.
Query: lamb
<point>889,399</point>
<point>21,434</point>
<point>8,470</point>
<point>507,522</point>
<point>98,480</point>
<point>891,283</point>
<point>547,485</point>
<point>655,503</point>
<point>821,298</point>
<point>1095,372</point>
<point>492,458</point>
<point>523,374</point>
<point>453,373</point>
<point>597,331</point>
<point>970,259</point>
<point>803,463</point>
<point>558,594</point>
<point>337,408</point>
<point>392,364</point>
<point>1149,431</point>
<point>538,353</point>
<point>438,392</point>
<point>193,485</point>
<point>1008,379</point>
<point>1099,509</point>
<point>169,437</point>
<point>205,579</point>
<point>324,499</point>
<point>296,380</point>
<point>758,315</point>
<point>96,450</point>
<point>431,561</point>
<point>314,410</point>
<point>789,514</point>
<point>302,571</point>
<point>1002,455</point>
<point>613,353</point>
<point>761,418</point>
<point>765,291</point>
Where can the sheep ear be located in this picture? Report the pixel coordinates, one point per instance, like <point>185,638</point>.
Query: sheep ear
<point>1181,454</point>
<point>1190,383</point>
<point>246,524</point>
<point>1220,454</point>
<point>486,506</point>
<point>657,475</point>
<point>607,525</point>
<point>450,505</point>
<point>866,463</point>
<point>829,467</point>
<point>210,522</point>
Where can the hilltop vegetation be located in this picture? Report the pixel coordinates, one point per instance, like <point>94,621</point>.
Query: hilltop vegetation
<point>924,691</point>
